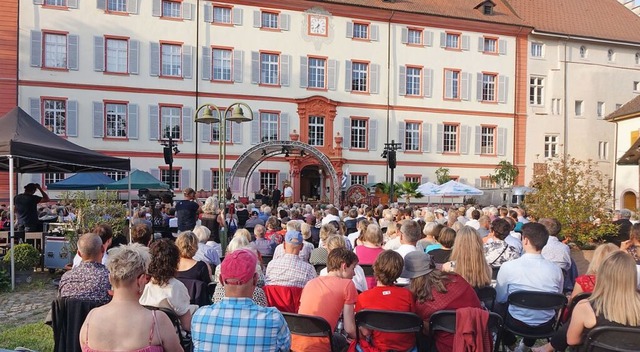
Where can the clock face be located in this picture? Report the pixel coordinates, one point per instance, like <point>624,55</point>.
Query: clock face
<point>318,25</point>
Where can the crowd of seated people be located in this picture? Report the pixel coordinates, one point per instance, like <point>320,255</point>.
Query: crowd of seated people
<point>423,260</point>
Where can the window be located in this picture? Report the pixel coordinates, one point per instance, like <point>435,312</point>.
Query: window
<point>361,31</point>
<point>636,86</point>
<point>116,120</point>
<point>583,52</point>
<point>268,179</point>
<point>53,177</point>
<point>610,55</point>
<point>171,60</point>
<point>486,182</point>
<point>358,179</point>
<point>117,5</point>
<point>316,131</point>
<point>358,133</point>
<point>556,108</point>
<point>414,179</point>
<point>487,140</point>
<point>450,139</point>
<point>215,132</point>
<point>171,9</point>
<point>269,20</point>
<point>550,146</point>
<point>221,65</point>
<point>412,136</point>
<point>116,175</point>
<point>414,36</point>
<point>317,70</point>
<point>452,41</point>
<point>637,58</point>
<point>578,107</point>
<point>55,116</point>
<point>487,9</point>
<point>55,2</point>
<point>165,175</point>
<point>537,50</point>
<point>413,80</point>
<point>359,73</point>
<point>170,122</point>
<point>452,84</point>
<point>269,68</point>
<point>215,179</point>
<point>268,126</point>
<point>603,150</point>
<point>55,50</point>
<point>490,45</point>
<point>600,109</point>
<point>488,87</point>
<point>221,15</point>
<point>618,106</point>
<point>116,55</point>
<point>536,90</point>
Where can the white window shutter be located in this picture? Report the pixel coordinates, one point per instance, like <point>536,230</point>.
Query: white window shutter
<point>405,35</point>
<point>481,44</point>
<point>373,134</point>
<point>36,48</point>
<point>424,180</point>
<point>185,179</point>
<point>154,59</point>
<point>502,141</point>
<point>187,61</point>
<point>375,32</point>
<point>101,4</point>
<point>448,84</point>
<point>502,47</point>
<point>349,29</point>
<point>255,182</point>
<point>465,89</point>
<point>478,140</point>
<point>235,185</point>
<point>284,22</point>
<point>72,4</point>
<point>371,178</point>
<point>443,39</point>
<point>464,139</point>
<point>479,82</point>
<point>402,127</point>
<point>255,67</point>
<point>238,65</point>
<point>98,53</point>
<point>98,119</point>
<point>227,132</point>
<point>205,132</point>
<point>402,84</point>
<point>206,63</point>
<point>73,61</point>
<point>346,133</point>
<point>426,137</point>
<point>284,126</point>
<point>465,42</point>
<point>207,181</point>
<point>503,89</point>
<point>236,133</point>
<point>134,57</point>
<point>285,69</point>
<point>439,138</point>
<point>237,16</point>
<point>347,78</point>
<point>187,11</point>
<point>187,124</point>
<point>255,128</point>
<point>257,19</point>
<point>72,118</point>
<point>332,74</point>
<point>304,72</point>
<point>427,81</point>
<point>208,13</point>
<point>34,108</point>
<point>156,8</point>
<point>132,6</point>
<point>132,122</point>
<point>283,176</point>
<point>374,79</point>
<point>155,173</point>
<point>154,122</point>
<point>428,38</point>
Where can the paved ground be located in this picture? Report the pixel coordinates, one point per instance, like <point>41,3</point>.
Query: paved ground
<point>27,304</point>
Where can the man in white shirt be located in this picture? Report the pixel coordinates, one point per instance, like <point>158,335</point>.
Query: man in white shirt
<point>409,236</point>
<point>288,194</point>
<point>475,217</point>
<point>554,250</point>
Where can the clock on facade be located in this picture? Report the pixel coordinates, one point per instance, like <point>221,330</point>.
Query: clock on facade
<point>318,25</point>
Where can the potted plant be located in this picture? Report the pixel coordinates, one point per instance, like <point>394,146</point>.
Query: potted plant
<point>26,257</point>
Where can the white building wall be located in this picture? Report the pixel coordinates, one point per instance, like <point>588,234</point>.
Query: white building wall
<point>626,175</point>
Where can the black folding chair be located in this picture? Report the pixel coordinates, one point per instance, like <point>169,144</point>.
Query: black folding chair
<point>183,335</point>
<point>308,325</point>
<point>368,269</point>
<point>445,320</point>
<point>572,304</point>
<point>388,321</point>
<point>487,296</point>
<point>534,300</point>
<point>613,338</point>
<point>266,259</point>
<point>319,268</point>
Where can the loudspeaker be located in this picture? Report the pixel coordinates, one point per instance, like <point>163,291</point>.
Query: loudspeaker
<point>168,155</point>
<point>391,159</point>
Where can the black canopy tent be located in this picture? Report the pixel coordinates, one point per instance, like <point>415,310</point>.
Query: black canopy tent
<point>28,147</point>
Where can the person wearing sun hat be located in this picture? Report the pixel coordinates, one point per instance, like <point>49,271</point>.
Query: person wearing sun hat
<point>236,323</point>
<point>289,269</point>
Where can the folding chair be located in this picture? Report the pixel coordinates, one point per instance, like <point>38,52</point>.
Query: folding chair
<point>572,304</point>
<point>319,267</point>
<point>308,325</point>
<point>368,269</point>
<point>487,296</point>
<point>535,301</point>
<point>183,335</point>
<point>613,339</point>
<point>445,320</point>
<point>388,321</point>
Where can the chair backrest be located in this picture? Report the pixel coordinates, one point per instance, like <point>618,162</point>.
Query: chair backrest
<point>67,317</point>
<point>487,296</point>
<point>319,267</point>
<point>445,320</point>
<point>613,338</point>
<point>535,300</point>
<point>266,259</point>
<point>285,298</point>
<point>389,321</point>
<point>308,325</point>
<point>368,269</point>
<point>198,291</point>
<point>579,297</point>
<point>183,335</point>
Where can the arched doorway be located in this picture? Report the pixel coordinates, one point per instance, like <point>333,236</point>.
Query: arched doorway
<point>310,183</point>
<point>629,200</point>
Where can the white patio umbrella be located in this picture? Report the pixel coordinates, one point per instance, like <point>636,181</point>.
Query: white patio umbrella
<point>455,188</point>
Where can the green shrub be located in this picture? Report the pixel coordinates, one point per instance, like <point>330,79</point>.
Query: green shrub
<point>26,256</point>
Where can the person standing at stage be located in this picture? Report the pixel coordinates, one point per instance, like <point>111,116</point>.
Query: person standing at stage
<point>26,207</point>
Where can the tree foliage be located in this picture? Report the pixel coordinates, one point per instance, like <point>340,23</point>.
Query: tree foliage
<point>575,192</point>
<point>442,175</point>
<point>408,190</point>
<point>505,174</point>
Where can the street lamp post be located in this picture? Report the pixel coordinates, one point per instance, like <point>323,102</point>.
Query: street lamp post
<point>390,154</point>
<point>237,116</point>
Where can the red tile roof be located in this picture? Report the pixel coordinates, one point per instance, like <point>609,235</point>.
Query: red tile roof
<point>632,107</point>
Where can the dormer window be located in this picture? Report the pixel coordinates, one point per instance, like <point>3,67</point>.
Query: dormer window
<point>486,7</point>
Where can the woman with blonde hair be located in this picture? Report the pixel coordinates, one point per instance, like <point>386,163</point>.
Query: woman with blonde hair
<point>211,217</point>
<point>370,249</point>
<point>359,280</point>
<point>320,254</point>
<point>189,268</point>
<point>467,258</point>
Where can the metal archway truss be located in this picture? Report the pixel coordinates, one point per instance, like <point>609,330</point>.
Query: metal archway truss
<point>249,161</point>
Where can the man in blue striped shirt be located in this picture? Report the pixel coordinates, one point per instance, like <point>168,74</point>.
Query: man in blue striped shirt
<point>236,323</point>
